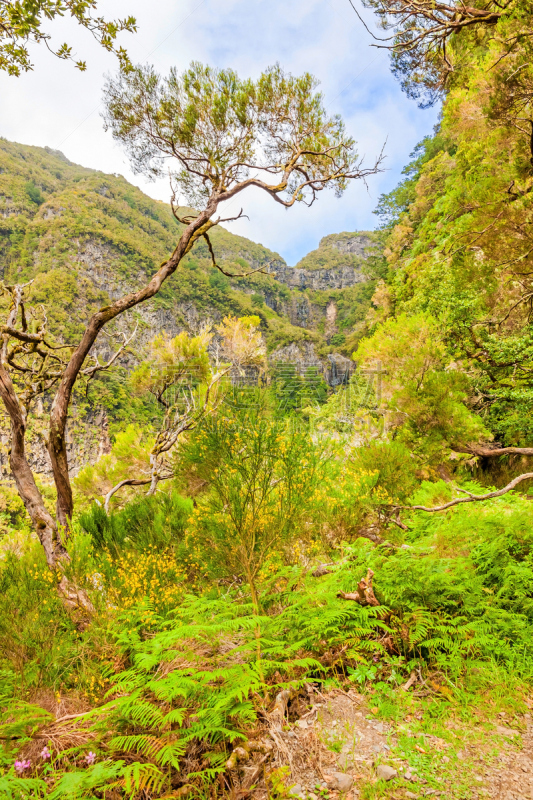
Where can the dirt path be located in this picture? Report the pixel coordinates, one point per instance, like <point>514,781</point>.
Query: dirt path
<point>512,777</point>
<point>340,747</point>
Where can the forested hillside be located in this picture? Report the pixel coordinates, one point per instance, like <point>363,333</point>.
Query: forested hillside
<point>89,236</point>
<point>84,238</point>
<point>269,575</point>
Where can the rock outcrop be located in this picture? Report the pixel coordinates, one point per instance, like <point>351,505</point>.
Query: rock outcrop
<point>84,238</point>
<point>318,279</point>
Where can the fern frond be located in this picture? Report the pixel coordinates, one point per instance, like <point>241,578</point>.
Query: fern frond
<point>13,788</point>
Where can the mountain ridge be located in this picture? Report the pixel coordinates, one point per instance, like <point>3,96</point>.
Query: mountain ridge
<point>85,236</point>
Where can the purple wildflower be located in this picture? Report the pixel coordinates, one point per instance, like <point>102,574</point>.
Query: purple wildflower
<point>90,758</point>
<point>20,766</point>
<point>45,753</point>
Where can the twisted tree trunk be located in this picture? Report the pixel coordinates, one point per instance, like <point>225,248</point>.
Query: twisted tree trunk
<point>57,448</point>
<point>44,524</point>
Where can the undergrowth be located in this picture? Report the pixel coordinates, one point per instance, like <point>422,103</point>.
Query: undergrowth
<point>171,674</point>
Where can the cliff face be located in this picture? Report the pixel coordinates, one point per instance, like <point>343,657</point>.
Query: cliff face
<point>85,238</point>
<point>318,279</point>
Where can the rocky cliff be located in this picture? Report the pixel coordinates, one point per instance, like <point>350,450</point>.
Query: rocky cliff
<point>83,238</point>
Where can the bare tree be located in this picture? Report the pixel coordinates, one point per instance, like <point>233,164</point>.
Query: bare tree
<point>224,135</point>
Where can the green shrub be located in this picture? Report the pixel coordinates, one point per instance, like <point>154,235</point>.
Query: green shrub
<point>394,465</point>
<point>337,339</point>
<point>34,193</point>
<point>157,521</point>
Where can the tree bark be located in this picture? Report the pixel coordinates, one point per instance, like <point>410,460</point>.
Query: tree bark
<point>43,522</point>
<point>59,411</point>
<point>488,451</point>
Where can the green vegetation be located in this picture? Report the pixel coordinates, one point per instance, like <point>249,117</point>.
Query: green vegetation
<point>334,251</point>
<point>304,543</point>
<point>22,24</point>
<point>181,661</point>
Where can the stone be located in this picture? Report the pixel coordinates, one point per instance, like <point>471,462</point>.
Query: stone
<point>297,791</point>
<point>502,731</point>
<point>345,760</point>
<point>340,782</point>
<point>386,773</point>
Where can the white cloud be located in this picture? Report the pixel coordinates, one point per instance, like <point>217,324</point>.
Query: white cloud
<point>58,106</point>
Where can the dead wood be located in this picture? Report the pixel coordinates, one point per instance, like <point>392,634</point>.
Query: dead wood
<point>277,716</point>
<point>471,498</point>
<point>410,682</point>
<point>321,570</point>
<point>492,451</point>
<point>365,593</point>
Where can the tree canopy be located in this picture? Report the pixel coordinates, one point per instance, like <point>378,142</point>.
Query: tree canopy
<point>228,133</point>
<point>433,43</point>
<point>23,22</point>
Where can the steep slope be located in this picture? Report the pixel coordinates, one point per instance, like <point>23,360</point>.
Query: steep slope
<point>62,225</point>
<point>83,237</point>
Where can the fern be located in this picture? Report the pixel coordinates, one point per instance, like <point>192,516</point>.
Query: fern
<point>12,788</point>
<point>19,719</point>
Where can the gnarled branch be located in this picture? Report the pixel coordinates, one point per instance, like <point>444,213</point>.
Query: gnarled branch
<point>471,498</point>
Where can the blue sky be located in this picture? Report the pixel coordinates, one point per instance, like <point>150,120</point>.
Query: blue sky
<point>58,106</point>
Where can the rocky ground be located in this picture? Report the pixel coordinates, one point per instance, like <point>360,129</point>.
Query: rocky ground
<point>335,748</point>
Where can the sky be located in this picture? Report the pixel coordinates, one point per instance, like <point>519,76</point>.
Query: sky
<point>59,106</point>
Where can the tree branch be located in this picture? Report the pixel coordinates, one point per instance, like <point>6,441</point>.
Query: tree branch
<point>477,497</point>
<point>99,367</point>
<point>126,482</point>
<point>486,451</point>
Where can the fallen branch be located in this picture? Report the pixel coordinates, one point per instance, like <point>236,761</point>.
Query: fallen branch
<point>410,682</point>
<point>126,482</point>
<point>365,593</point>
<point>487,451</point>
<point>477,497</point>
